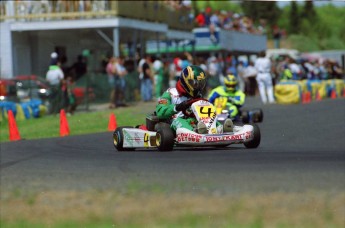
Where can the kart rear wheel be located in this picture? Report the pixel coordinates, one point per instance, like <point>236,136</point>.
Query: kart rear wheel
<point>118,139</point>
<point>164,137</point>
<point>255,142</point>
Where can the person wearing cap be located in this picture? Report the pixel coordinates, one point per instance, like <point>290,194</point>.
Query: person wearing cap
<point>55,78</point>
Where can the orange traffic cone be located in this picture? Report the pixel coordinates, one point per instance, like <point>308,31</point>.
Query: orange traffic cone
<point>64,129</point>
<point>112,122</point>
<point>305,97</point>
<point>12,127</point>
<point>317,96</point>
<point>344,92</point>
<point>333,94</point>
<point>309,96</point>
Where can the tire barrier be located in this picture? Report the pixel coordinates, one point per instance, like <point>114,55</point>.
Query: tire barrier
<point>25,110</point>
<point>295,92</point>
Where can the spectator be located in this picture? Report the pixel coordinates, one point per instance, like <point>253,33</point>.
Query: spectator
<point>71,103</point>
<point>79,68</point>
<point>146,81</point>
<point>249,74</point>
<point>120,83</point>
<point>295,69</point>
<point>240,76</point>
<point>213,79</point>
<point>111,71</point>
<point>264,78</point>
<point>276,36</point>
<point>158,76</point>
<point>55,78</point>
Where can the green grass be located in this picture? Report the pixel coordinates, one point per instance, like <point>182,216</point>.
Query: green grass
<point>80,123</point>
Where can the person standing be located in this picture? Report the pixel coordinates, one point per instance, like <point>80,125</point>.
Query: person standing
<point>120,83</point>
<point>250,74</point>
<point>55,78</point>
<point>264,78</point>
<point>158,74</point>
<point>111,71</point>
<point>146,81</point>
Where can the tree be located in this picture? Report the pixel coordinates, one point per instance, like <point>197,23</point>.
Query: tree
<point>262,10</point>
<point>294,19</point>
<point>309,12</point>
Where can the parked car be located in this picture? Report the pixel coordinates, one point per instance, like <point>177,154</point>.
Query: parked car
<point>8,90</point>
<point>32,87</point>
<point>25,87</point>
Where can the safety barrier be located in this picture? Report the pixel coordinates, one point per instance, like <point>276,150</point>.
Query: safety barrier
<point>294,92</point>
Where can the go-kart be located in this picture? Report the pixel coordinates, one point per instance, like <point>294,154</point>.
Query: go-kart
<point>245,116</point>
<point>158,134</point>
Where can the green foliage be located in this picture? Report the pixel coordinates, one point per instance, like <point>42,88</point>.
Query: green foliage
<point>262,10</point>
<point>312,29</point>
<point>294,18</point>
<point>303,43</point>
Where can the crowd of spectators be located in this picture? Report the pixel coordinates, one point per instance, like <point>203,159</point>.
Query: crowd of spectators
<point>229,20</point>
<point>287,68</point>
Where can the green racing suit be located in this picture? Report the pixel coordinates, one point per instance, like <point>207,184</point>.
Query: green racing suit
<point>165,109</point>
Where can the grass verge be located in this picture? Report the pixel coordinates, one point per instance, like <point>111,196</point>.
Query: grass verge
<point>111,209</point>
<point>79,123</point>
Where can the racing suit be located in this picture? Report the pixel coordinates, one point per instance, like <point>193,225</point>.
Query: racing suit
<point>165,109</point>
<point>235,99</point>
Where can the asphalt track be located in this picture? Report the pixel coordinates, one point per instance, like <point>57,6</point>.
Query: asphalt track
<point>302,149</point>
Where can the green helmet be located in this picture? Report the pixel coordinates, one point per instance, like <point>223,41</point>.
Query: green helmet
<point>193,80</point>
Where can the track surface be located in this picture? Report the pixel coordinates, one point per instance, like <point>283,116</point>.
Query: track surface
<point>302,149</point>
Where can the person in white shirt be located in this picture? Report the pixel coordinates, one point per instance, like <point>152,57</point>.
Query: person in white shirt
<point>55,78</point>
<point>264,78</point>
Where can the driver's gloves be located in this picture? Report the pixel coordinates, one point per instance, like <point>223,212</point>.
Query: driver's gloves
<point>182,106</point>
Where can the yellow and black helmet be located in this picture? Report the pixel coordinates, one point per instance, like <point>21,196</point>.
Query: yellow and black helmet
<point>193,80</point>
<point>230,82</point>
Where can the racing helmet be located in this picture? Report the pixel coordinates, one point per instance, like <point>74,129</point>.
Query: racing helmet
<point>230,82</point>
<point>193,81</point>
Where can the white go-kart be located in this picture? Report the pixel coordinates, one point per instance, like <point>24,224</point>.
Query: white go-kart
<point>158,133</point>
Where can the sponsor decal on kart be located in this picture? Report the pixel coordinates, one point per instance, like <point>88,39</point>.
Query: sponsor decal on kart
<point>248,135</point>
<point>221,138</point>
<point>127,139</point>
<point>188,137</point>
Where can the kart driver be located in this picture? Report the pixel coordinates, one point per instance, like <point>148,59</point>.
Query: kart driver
<point>175,101</point>
<point>235,97</point>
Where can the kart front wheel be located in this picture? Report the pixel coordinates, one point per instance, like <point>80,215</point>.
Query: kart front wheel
<point>165,138</point>
<point>118,139</point>
<point>255,142</point>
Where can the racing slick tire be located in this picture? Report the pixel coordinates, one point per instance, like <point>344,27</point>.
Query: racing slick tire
<point>164,137</point>
<point>245,117</point>
<point>258,116</point>
<point>118,139</point>
<point>255,142</point>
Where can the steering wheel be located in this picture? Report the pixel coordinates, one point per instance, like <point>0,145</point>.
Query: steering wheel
<point>191,114</point>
